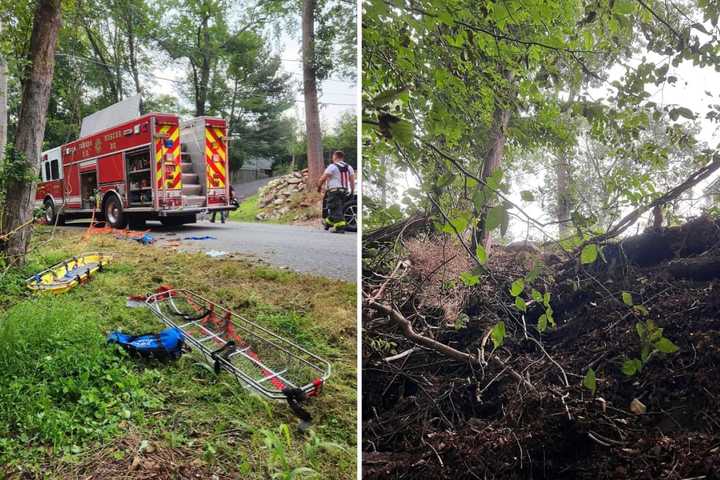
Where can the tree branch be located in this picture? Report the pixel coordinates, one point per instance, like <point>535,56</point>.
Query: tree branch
<point>432,344</point>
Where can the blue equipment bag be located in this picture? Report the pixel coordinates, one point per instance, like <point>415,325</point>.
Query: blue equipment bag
<point>167,344</point>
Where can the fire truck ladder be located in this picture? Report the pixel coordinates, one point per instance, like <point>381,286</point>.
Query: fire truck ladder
<point>259,359</point>
<point>192,189</point>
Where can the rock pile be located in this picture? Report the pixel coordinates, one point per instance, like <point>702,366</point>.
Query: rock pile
<point>282,195</point>
<point>278,191</point>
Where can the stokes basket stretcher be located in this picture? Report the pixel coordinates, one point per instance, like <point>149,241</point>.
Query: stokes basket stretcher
<point>259,359</point>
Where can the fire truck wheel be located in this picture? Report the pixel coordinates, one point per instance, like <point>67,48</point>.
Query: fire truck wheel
<point>350,214</point>
<point>51,214</point>
<point>114,212</point>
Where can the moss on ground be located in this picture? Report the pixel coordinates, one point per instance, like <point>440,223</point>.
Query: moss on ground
<point>70,405</point>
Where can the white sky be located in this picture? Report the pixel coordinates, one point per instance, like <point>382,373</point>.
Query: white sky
<point>688,91</point>
<point>336,95</point>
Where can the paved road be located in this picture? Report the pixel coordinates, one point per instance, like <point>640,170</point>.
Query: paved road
<point>306,249</point>
<point>248,189</point>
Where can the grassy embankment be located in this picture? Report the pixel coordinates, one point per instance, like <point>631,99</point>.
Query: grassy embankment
<point>70,406</point>
<point>249,208</point>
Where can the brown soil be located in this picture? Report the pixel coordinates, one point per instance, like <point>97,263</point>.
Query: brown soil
<point>427,416</point>
<point>130,458</point>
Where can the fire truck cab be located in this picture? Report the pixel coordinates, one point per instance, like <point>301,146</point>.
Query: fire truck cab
<point>139,170</point>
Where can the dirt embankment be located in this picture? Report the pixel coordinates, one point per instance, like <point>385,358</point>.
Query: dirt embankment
<point>426,415</point>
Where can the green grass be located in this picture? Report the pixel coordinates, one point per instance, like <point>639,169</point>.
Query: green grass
<point>247,210</point>
<point>70,405</point>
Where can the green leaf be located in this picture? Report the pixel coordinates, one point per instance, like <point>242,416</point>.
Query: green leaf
<point>481,254</point>
<point>494,218</point>
<point>645,353</point>
<point>627,299</point>
<point>589,254</point>
<point>542,323</point>
<point>631,366</point>
<point>520,304</point>
<point>641,330</point>
<point>623,7</point>
<point>517,287</point>
<point>527,196</point>
<point>493,181</point>
<point>479,199</point>
<point>460,223</point>
<point>681,112</point>
<point>641,310</point>
<point>505,222</point>
<point>383,98</point>
<point>551,319</point>
<point>666,346</point>
<point>498,335</point>
<point>534,273</point>
<point>537,296</point>
<point>402,131</point>
<point>590,382</point>
<point>469,279</point>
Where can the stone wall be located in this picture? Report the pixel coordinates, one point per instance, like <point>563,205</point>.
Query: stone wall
<point>282,195</point>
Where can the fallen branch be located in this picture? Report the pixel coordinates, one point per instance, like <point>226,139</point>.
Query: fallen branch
<point>432,344</point>
<point>401,355</point>
<point>628,220</point>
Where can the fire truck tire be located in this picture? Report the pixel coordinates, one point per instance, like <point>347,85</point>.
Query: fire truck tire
<point>350,214</point>
<point>51,215</point>
<point>113,211</point>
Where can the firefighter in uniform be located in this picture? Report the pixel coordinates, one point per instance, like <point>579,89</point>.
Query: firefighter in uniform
<point>340,178</point>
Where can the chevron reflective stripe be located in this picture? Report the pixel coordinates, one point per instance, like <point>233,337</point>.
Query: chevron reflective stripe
<point>168,158</point>
<point>215,156</point>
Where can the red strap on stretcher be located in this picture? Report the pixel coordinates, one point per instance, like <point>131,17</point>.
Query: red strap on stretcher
<point>229,330</point>
<point>317,387</point>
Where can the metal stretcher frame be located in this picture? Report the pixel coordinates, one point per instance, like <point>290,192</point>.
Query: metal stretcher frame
<point>195,316</point>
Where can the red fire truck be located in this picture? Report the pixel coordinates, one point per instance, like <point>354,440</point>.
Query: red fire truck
<point>154,167</point>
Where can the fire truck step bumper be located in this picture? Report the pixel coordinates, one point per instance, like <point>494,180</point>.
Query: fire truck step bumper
<point>193,201</point>
<point>190,179</point>
<point>192,190</point>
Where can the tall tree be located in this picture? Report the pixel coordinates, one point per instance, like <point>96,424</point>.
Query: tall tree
<point>20,187</point>
<point>312,112</point>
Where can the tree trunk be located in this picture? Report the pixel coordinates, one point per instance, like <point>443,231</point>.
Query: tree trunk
<point>132,53</point>
<point>564,194</point>
<point>312,114</point>
<point>202,86</point>
<point>493,158</point>
<point>383,181</point>
<point>563,177</point>
<point>37,81</point>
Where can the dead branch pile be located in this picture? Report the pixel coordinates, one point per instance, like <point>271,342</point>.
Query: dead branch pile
<point>438,402</point>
